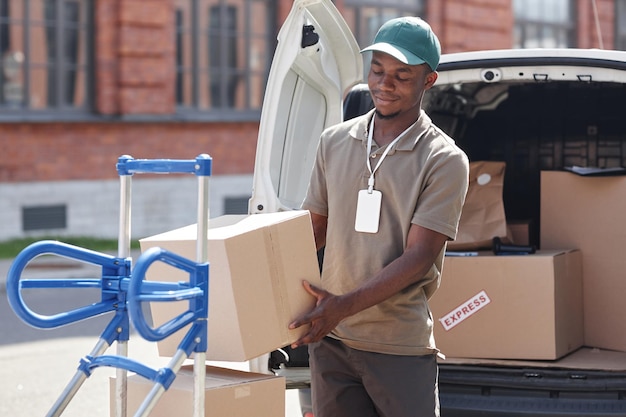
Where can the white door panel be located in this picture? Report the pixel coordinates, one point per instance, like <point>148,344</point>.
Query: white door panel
<point>308,79</point>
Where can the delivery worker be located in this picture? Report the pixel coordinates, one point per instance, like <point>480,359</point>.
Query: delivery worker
<point>385,195</point>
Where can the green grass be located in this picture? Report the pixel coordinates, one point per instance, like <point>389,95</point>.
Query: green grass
<point>10,248</point>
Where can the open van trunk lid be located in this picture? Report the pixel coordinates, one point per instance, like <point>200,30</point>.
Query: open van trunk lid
<point>316,61</point>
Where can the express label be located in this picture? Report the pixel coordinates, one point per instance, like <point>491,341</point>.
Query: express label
<point>465,310</point>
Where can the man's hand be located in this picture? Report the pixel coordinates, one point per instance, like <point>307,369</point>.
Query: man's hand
<point>423,247</point>
<point>326,315</point>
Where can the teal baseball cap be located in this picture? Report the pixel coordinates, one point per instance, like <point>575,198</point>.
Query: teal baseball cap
<point>408,39</point>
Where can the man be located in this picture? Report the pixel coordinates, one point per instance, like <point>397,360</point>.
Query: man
<point>385,195</point>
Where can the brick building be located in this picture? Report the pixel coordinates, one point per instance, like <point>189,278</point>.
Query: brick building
<point>86,81</point>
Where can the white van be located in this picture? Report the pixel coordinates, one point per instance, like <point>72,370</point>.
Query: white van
<point>540,110</point>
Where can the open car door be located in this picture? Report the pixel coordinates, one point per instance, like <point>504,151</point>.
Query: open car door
<point>316,61</point>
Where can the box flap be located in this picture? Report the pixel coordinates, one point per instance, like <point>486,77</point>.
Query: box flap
<point>583,358</point>
<point>226,226</point>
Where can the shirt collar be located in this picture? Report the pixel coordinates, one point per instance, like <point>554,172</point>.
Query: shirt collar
<point>407,143</point>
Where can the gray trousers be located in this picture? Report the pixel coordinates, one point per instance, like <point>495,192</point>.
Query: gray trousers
<point>348,382</point>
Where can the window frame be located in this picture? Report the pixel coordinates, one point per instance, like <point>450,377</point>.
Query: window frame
<point>382,10</point>
<point>620,29</point>
<point>194,110</point>
<point>522,24</point>
<point>60,110</point>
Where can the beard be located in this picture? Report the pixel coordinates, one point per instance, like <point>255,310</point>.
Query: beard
<point>386,116</point>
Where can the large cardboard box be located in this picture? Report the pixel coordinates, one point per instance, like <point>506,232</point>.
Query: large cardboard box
<point>510,307</point>
<point>257,264</point>
<point>588,213</point>
<point>227,392</point>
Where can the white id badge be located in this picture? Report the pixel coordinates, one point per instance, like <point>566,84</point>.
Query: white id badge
<point>368,211</point>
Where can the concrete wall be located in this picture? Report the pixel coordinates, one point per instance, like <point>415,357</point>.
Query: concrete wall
<point>93,207</point>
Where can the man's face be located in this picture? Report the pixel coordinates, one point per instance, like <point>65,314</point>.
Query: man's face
<point>397,88</point>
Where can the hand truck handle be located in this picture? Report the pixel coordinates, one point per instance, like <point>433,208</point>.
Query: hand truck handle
<point>201,166</point>
<point>111,267</point>
<point>196,293</point>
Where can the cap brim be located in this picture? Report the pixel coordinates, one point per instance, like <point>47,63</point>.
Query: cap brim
<point>400,54</point>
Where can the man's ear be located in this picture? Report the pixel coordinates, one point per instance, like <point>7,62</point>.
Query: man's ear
<point>431,78</point>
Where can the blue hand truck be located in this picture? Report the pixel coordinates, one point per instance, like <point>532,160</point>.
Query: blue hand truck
<point>124,290</point>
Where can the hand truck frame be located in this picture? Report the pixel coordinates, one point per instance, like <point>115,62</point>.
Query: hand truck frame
<point>124,293</point>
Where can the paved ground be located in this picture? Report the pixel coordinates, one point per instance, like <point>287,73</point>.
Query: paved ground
<point>35,371</point>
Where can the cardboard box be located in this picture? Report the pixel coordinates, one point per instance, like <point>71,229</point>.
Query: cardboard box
<point>257,264</point>
<point>588,213</point>
<point>227,393</point>
<point>510,307</point>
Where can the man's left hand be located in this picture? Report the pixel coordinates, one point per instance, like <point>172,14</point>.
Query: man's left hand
<point>328,312</point>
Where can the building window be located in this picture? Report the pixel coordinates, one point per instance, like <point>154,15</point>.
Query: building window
<point>223,55</point>
<point>44,55</point>
<point>366,17</point>
<point>620,24</point>
<point>544,24</point>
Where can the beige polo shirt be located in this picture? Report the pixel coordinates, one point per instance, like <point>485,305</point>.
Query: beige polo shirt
<point>423,181</point>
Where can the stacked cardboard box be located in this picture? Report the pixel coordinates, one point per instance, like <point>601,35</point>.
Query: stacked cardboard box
<point>586,213</point>
<point>578,212</point>
<point>518,306</point>
<point>510,307</point>
<point>228,392</point>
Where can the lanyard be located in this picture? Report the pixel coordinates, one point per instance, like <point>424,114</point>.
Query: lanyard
<point>370,134</point>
